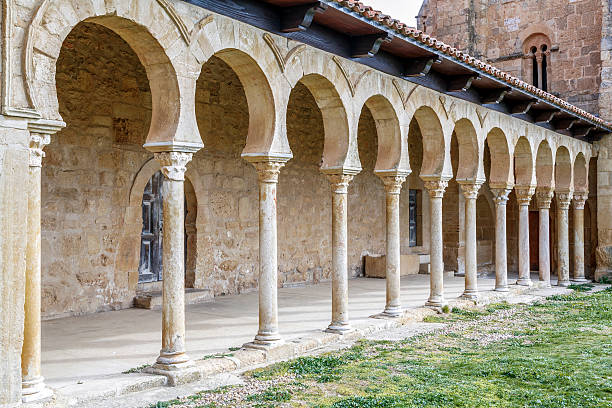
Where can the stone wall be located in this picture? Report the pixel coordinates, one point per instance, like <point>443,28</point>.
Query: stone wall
<point>605,88</point>
<point>495,30</point>
<point>105,100</point>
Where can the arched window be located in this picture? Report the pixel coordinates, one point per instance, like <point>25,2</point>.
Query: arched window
<point>537,55</point>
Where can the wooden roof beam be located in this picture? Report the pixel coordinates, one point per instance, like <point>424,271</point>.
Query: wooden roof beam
<point>299,18</point>
<point>367,46</point>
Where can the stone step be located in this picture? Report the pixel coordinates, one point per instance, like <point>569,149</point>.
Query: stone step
<point>153,300</point>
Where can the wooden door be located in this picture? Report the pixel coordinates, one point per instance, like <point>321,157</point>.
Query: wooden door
<point>150,269</point>
<point>534,240</point>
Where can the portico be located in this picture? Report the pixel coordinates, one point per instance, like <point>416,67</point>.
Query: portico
<point>283,165</point>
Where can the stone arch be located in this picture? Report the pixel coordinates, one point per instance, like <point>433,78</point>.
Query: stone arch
<point>563,169</point>
<point>336,148</point>
<point>150,28</point>
<point>384,99</point>
<point>435,155</point>
<point>129,245</point>
<point>470,167</point>
<point>545,164</point>
<point>501,174</point>
<point>391,144</point>
<point>581,174</point>
<point>523,163</point>
<point>260,101</point>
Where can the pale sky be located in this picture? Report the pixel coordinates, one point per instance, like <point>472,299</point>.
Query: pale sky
<point>403,10</point>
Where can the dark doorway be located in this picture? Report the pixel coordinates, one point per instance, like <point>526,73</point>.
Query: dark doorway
<point>534,240</point>
<point>412,217</point>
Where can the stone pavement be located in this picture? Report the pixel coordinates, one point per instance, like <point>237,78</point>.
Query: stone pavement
<point>84,355</point>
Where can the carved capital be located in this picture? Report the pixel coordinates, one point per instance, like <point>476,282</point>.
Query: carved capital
<point>339,182</point>
<point>174,164</point>
<point>544,197</point>
<point>393,184</point>
<point>579,199</point>
<point>38,141</point>
<point>564,198</point>
<point>470,190</point>
<point>524,194</point>
<point>436,188</point>
<point>500,195</point>
<point>268,171</point>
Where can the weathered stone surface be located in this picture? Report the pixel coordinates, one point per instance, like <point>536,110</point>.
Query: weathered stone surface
<point>14,158</point>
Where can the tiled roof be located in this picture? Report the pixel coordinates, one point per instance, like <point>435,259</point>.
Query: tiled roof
<point>429,41</point>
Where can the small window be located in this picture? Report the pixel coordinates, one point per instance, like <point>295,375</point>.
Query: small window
<point>537,57</point>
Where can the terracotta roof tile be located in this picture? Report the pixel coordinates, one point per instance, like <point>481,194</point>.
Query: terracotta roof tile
<point>405,30</point>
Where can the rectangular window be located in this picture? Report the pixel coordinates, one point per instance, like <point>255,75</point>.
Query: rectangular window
<point>412,217</point>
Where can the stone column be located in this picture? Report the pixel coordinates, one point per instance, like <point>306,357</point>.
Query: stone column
<point>544,197</point>
<point>33,386</point>
<point>339,188</point>
<point>564,199</point>
<point>268,334</point>
<point>470,192</point>
<point>501,246</point>
<point>523,196</point>
<point>172,355</point>
<point>579,201</point>
<point>393,187</point>
<point>436,190</point>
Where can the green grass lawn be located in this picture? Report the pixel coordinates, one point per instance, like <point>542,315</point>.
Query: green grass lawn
<point>552,354</point>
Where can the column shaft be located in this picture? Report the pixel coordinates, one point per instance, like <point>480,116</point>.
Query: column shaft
<point>501,246</point>
<point>33,386</point>
<point>544,197</point>
<point>268,333</point>
<point>563,202</point>
<point>436,190</point>
<point>470,192</point>
<point>339,187</point>
<point>393,186</point>
<point>172,355</point>
<point>579,201</point>
<point>524,195</point>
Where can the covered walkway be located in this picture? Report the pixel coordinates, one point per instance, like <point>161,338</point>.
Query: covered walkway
<point>82,349</point>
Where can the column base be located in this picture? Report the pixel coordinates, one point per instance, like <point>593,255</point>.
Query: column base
<point>470,295</point>
<point>35,390</point>
<point>265,341</point>
<point>502,289</point>
<point>544,284</point>
<point>172,362</point>
<point>436,301</point>
<point>564,284</point>
<point>339,328</point>
<point>524,282</point>
<point>581,280</point>
<point>394,311</point>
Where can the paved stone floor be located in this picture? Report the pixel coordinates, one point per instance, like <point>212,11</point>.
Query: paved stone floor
<point>80,349</point>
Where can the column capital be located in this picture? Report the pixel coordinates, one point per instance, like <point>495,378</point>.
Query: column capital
<point>38,141</point>
<point>544,196</point>
<point>339,182</point>
<point>436,188</point>
<point>393,183</point>
<point>579,199</point>
<point>174,164</point>
<point>564,199</point>
<point>269,170</point>
<point>524,194</point>
<point>470,189</point>
<point>500,195</point>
